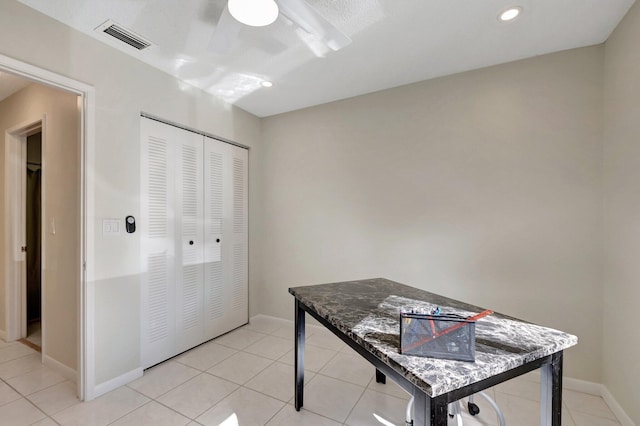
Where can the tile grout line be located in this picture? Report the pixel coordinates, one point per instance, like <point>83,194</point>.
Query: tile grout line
<point>571,416</point>
<point>276,413</point>
<point>25,397</point>
<point>358,401</point>
<point>170,408</point>
<point>597,416</point>
<point>30,403</point>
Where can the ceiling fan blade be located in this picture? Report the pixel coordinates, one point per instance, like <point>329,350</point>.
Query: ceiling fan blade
<point>225,34</point>
<point>312,22</point>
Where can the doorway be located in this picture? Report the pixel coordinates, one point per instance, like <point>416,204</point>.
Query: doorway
<point>56,228</point>
<point>23,214</point>
<point>32,312</point>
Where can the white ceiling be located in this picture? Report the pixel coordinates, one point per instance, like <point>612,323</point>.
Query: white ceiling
<point>395,42</point>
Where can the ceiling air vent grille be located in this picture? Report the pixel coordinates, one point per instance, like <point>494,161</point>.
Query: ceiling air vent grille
<point>124,35</point>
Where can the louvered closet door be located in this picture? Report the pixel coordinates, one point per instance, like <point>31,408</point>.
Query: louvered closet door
<point>194,240</point>
<point>157,229</point>
<point>238,235</point>
<point>190,248</point>
<point>226,235</point>
<point>216,297</point>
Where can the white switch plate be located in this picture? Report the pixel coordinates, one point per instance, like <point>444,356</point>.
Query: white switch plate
<point>111,226</point>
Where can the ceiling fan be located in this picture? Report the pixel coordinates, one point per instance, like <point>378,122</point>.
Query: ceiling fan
<point>263,12</point>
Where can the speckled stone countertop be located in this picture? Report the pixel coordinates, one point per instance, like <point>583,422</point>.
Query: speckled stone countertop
<point>368,312</point>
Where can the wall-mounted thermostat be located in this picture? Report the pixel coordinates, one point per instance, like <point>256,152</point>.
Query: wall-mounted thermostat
<point>130,223</point>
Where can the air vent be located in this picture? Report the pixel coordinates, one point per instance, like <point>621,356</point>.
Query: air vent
<point>126,36</point>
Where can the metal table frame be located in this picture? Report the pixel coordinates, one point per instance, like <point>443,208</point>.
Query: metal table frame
<point>428,410</point>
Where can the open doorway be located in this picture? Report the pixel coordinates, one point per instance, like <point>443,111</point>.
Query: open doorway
<point>32,328</point>
<point>42,173</point>
<point>59,112</point>
<point>23,176</point>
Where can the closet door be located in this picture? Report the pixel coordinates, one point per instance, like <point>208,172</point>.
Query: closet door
<point>238,236</point>
<point>216,296</point>
<point>158,233</point>
<point>189,242</point>
<point>172,231</point>
<point>226,236</point>
<point>194,241</point>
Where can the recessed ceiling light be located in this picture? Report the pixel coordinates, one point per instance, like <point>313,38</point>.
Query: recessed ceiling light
<point>255,13</point>
<point>266,84</point>
<point>510,14</point>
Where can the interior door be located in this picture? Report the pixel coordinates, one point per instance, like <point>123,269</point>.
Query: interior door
<point>15,240</point>
<point>216,296</point>
<point>226,235</point>
<point>190,249</point>
<point>158,235</point>
<point>194,239</point>
<point>239,237</point>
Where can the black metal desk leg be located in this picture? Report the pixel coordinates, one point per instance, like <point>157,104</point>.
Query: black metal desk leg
<point>551,391</point>
<point>429,411</point>
<point>299,355</point>
<point>380,377</point>
<point>439,411</point>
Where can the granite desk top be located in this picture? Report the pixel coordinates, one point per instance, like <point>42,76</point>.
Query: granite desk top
<point>367,311</point>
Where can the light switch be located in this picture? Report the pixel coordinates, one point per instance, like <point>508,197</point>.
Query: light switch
<point>111,226</point>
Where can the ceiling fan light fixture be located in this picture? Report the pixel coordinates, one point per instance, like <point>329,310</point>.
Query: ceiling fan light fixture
<point>255,13</point>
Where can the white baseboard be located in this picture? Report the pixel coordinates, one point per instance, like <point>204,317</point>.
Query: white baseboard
<point>66,372</point>
<point>598,389</point>
<point>622,416</point>
<point>583,386</point>
<point>116,382</point>
<point>269,318</point>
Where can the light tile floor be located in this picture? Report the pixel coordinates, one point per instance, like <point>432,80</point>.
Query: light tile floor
<point>246,378</point>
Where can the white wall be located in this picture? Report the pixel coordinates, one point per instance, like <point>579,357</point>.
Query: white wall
<point>124,87</point>
<point>482,186</point>
<point>621,149</point>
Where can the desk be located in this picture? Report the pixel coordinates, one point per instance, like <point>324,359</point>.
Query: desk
<point>365,315</point>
